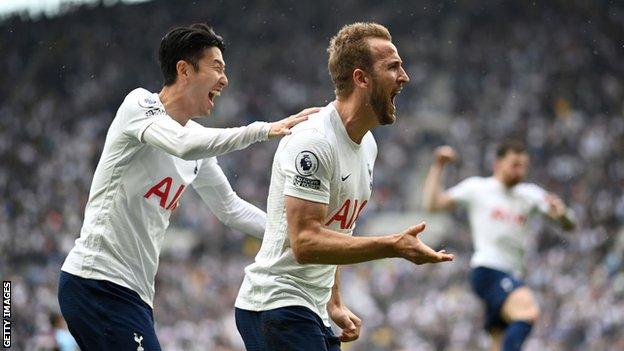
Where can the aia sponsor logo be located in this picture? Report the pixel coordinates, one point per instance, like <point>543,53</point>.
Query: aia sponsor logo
<point>501,214</point>
<point>162,190</point>
<point>347,214</point>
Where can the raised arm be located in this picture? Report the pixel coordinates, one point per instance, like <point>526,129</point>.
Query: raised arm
<point>311,242</point>
<point>197,143</point>
<point>434,197</point>
<point>215,190</point>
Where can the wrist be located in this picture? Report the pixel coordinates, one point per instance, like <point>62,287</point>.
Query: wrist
<point>388,245</point>
<point>334,304</point>
<point>439,164</point>
<point>265,131</point>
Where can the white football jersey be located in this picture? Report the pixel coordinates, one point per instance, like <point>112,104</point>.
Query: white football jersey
<point>498,217</point>
<point>320,163</point>
<point>136,186</point>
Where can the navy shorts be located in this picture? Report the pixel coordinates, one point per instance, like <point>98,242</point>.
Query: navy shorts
<point>293,328</point>
<point>493,287</point>
<point>106,316</point>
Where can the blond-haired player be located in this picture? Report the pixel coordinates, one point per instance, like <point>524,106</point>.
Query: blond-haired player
<point>321,181</point>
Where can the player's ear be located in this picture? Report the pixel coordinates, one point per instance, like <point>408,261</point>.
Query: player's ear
<point>182,68</point>
<point>360,78</point>
<point>496,164</point>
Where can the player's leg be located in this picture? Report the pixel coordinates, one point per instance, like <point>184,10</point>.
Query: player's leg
<point>250,328</point>
<point>496,336</point>
<point>520,310</point>
<point>493,288</point>
<point>131,321</point>
<point>104,316</point>
<point>331,340</point>
<point>296,328</point>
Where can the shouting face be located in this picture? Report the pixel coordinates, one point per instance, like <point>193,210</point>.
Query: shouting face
<point>388,78</point>
<point>205,82</point>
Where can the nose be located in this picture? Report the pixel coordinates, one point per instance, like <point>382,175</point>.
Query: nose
<point>403,77</point>
<point>224,81</point>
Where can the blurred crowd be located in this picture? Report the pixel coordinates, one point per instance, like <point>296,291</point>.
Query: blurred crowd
<point>548,73</point>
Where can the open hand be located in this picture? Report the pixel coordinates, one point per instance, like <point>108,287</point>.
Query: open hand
<point>282,127</point>
<point>409,247</point>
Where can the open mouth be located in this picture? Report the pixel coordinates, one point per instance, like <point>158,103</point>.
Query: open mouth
<point>212,95</point>
<point>393,95</point>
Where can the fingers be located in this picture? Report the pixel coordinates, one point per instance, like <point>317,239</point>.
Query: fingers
<point>442,256</point>
<point>421,254</point>
<point>356,320</point>
<point>556,206</point>
<point>282,128</point>
<point>416,229</point>
<point>301,116</point>
<point>350,332</point>
<point>445,154</point>
<point>554,200</point>
<point>349,323</point>
<point>432,256</point>
<point>294,120</point>
<point>307,111</point>
<point>348,336</point>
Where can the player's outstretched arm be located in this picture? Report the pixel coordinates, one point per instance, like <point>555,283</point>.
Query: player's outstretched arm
<point>311,242</point>
<point>434,198</point>
<point>558,211</point>
<point>341,315</point>
<point>197,143</point>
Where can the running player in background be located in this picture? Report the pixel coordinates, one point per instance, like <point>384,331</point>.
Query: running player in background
<point>321,181</point>
<point>498,207</point>
<point>153,151</point>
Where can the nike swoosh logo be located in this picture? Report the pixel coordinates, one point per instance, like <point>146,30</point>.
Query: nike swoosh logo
<point>345,177</point>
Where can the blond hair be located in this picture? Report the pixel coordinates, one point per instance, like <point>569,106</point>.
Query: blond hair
<point>348,50</point>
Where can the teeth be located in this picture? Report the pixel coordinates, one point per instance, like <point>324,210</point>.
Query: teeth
<point>216,93</point>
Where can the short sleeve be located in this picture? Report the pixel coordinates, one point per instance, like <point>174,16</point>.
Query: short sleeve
<point>464,191</point>
<point>306,161</point>
<point>536,197</point>
<point>141,109</point>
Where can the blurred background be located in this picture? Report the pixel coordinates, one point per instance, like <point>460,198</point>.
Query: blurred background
<point>548,72</point>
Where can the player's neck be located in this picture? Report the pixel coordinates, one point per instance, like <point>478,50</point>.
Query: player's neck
<point>357,118</point>
<point>500,178</point>
<point>175,104</point>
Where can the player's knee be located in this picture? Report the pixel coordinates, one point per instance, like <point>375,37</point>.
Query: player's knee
<point>521,306</point>
<point>532,314</point>
<point>529,314</point>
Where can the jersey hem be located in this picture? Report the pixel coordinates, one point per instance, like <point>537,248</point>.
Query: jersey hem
<point>245,304</point>
<point>69,268</point>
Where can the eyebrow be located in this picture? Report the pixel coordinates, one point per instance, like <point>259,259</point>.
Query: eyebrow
<point>219,63</point>
<point>394,61</point>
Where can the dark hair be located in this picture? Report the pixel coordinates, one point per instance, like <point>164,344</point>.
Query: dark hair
<point>510,146</point>
<point>188,44</point>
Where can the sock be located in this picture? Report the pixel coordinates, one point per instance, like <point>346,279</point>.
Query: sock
<point>515,334</point>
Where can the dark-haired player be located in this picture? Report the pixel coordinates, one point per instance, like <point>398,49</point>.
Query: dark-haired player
<point>153,151</point>
<point>498,207</point>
